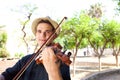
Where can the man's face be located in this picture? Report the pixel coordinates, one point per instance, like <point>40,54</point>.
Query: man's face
<point>43,32</point>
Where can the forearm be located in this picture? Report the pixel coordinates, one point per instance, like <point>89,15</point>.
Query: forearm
<point>54,72</point>
<point>2,77</point>
<point>55,76</point>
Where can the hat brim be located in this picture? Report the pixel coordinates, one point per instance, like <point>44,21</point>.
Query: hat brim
<point>36,22</point>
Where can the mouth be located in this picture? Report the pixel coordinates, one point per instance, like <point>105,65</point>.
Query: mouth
<point>42,40</point>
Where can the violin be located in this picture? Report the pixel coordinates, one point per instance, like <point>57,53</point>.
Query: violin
<point>64,58</point>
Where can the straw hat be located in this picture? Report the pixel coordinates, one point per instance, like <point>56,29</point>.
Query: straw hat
<point>36,21</point>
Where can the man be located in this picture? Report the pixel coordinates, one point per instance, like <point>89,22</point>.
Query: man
<point>51,68</point>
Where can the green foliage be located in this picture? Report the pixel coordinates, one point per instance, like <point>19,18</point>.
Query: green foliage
<point>111,31</point>
<point>66,42</point>
<point>3,53</point>
<point>3,39</point>
<point>82,28</point>
<point>19,55</point>
<point>84,43</point>
<point>97,39</point>
<point>76,29</point>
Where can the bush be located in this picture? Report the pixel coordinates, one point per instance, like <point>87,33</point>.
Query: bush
<point>19,55</point>
<point>3,39</point>
<point>4,53</point>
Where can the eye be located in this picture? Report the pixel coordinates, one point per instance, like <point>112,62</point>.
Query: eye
<point>38,31</point>
<point>48,31</point>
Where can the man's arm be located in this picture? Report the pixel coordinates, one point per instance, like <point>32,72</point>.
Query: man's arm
<point>2,77</point>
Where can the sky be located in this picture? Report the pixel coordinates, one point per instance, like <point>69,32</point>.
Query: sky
<point>53,8</point>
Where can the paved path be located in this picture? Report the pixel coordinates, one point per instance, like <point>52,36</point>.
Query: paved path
<point>89,66</point>
<point>114,76</point>
<point>84,66</point>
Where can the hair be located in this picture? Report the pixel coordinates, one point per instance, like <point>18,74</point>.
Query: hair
<point>46,21</point>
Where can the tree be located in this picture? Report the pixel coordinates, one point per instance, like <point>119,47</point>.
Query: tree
<point>97,40</point>
<point>111,30</point>
<point>98,43</point>
<point>95,10</point>
<point>74,31</point>
<point>27,10</point>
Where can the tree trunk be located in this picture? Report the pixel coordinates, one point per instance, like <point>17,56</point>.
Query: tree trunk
<point>74,61</point>
<point>73,66</point>
<point>117,62</point>
<point>99,58</point>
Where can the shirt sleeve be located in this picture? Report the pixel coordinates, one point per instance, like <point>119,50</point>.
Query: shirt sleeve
<point>11,72</point>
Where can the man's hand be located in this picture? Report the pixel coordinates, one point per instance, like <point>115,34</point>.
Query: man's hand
<point>51,64</point>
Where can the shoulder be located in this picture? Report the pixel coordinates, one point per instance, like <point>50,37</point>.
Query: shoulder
<point>26,58</point>
<point>23,60</point>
